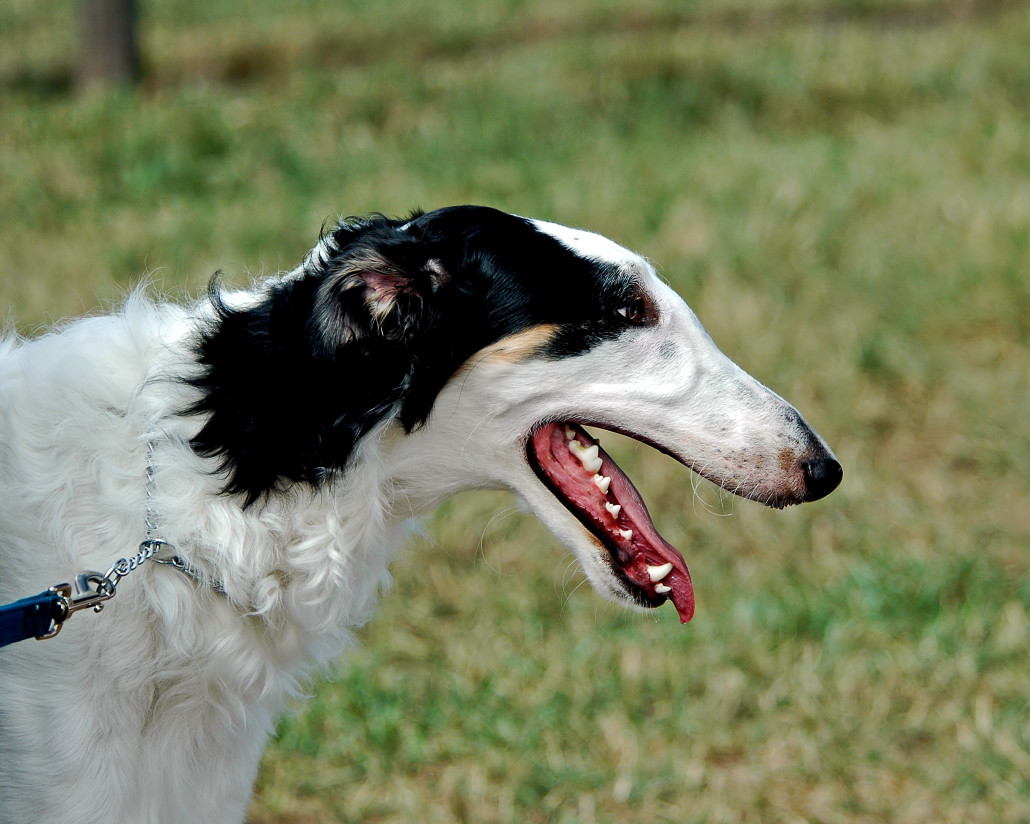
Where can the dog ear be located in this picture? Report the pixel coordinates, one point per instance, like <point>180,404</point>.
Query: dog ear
<point>368,296</point>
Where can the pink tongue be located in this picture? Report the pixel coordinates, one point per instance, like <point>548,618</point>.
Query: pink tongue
<point>645,547</point>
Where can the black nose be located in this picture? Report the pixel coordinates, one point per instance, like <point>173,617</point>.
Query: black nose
<point>822,476</point>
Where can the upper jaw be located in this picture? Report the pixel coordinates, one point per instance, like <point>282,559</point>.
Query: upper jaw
<point>777,480</point>
<point>786,465</point>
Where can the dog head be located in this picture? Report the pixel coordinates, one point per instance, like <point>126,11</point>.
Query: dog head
<point>492,340</point>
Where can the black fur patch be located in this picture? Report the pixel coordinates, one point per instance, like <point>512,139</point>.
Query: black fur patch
<point>376,327</point>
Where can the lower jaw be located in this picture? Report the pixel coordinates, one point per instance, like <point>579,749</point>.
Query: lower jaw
<point>623,560</point>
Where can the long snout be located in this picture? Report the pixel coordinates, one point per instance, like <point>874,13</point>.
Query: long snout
<point>703,409</point>
<point>715,418</point>
<point>763,448</point>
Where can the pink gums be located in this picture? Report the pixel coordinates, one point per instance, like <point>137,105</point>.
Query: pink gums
<point>632,556</point>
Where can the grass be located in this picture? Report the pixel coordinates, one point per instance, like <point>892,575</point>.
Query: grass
<point>841,192</point>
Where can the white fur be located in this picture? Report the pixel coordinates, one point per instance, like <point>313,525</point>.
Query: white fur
<point>158,709</point>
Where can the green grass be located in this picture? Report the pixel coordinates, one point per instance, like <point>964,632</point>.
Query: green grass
<point>840,190</point>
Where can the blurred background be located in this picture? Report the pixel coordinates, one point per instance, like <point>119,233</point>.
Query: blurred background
<point>841,191</point>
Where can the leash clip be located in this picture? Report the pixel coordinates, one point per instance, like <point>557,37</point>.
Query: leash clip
<point>88,590</point>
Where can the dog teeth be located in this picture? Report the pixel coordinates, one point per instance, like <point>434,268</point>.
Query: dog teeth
<point>626,533</point>
<point>570,433</point>
<point>587,455</point>
<point>615,509</point>
<point>657,573</point>
<point>589,459</point>
<point>602,482</point>
<point>661,589</point>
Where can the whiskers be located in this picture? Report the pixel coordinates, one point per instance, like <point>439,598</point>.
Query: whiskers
<point>719,507</point>
<point>571,574</point>
<point>485,419</point>
<point>498,516</point>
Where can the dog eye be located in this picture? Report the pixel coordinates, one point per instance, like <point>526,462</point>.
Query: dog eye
<point>636,311</point>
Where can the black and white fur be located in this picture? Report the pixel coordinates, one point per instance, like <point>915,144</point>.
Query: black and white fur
<point>296,427</point>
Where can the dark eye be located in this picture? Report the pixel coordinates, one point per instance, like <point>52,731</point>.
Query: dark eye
<point>636,311</point>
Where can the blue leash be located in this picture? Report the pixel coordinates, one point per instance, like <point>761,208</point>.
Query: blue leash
<point>42,616</point>
<point>37,617</point>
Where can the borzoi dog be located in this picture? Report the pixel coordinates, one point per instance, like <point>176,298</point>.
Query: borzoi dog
<point>280,438</point>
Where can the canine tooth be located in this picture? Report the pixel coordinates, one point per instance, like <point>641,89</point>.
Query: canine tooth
<point>626,533</point>
<point>661,589</point>
<point>587,455</point>
<point>602,482</point>
<point>615,509</point>
<point>656,573</point>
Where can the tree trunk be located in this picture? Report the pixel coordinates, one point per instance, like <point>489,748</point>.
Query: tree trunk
<point>109,53</point>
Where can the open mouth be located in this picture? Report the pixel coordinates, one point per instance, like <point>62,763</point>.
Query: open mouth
<point>590,484</point>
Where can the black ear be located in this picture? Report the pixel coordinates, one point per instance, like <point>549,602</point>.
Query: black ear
<point>367,295</point>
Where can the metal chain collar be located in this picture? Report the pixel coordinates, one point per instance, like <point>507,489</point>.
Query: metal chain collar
<point>148,548</point>
<point>90,589</point>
